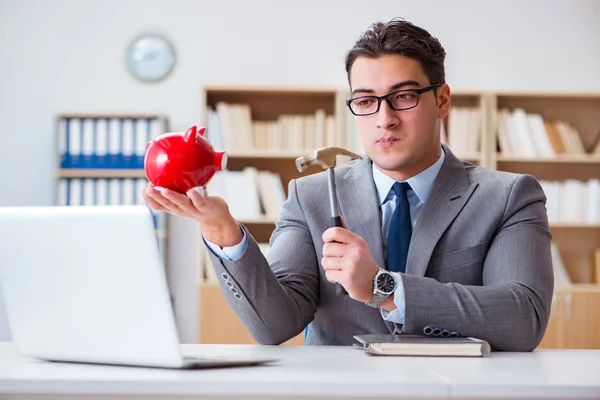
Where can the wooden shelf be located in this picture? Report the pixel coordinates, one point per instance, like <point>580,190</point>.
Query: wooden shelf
<point>548,94</point>
<point>264,220</point>
<point>110,116</point>
<point>562,158</point>
<point>555,169</point>
<point>579,288</point>
<point>574,225</point>
<point>269,103</point>
<point>270,89</point>
<point>268,154</point>
<point>101,173</point>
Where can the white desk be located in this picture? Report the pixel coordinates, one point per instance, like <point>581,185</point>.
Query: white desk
<point>315,373</point>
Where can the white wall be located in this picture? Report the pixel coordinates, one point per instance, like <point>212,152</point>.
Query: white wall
<point>67,56</point>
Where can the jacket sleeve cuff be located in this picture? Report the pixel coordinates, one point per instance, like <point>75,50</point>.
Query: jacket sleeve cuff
<point>231,253</point>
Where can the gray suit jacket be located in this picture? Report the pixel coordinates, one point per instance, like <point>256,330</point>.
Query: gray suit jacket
<point>479,261</point>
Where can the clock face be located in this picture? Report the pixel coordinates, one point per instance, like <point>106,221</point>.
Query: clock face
<point>386,283</point>
<point>150,57</point>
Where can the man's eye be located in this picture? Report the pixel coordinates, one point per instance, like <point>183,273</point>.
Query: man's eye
<point>404,96</point>
<point>365,102</point>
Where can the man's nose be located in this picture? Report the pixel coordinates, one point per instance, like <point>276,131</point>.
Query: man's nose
<point>386,117</point>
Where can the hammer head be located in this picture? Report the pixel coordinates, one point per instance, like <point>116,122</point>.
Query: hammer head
<point>325,157</point>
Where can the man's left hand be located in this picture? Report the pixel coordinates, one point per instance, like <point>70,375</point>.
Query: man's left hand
<point>349,262</point>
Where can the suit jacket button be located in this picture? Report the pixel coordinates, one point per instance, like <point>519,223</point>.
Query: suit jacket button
<point>445,333</point>
<point>428,330</point>
<point>437,331</point>
<point>454,334</point>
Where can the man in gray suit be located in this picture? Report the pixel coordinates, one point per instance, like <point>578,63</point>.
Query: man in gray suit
<point>433,245</point>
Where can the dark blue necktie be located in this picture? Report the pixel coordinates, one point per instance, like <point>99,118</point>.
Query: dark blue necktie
<point>400,230</point>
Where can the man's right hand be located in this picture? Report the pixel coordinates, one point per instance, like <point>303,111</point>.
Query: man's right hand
<point>211,212</point>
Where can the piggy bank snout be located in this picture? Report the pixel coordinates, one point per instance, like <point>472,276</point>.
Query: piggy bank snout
<point>220,160</point>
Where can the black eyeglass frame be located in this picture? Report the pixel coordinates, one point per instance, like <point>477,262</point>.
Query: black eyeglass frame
<point>386,98</point>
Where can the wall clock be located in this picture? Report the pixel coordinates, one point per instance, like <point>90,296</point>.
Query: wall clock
<point>150,57</point>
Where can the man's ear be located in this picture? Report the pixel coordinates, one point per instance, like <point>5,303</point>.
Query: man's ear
<point>443,101</point>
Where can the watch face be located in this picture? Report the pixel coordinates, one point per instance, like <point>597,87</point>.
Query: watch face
<point>386,282</point>
<point>150,57</point>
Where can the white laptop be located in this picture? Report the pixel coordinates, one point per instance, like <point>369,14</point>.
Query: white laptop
<point>87,284</point>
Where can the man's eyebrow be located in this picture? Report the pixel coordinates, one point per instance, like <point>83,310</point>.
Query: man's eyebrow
<point>393,87</point>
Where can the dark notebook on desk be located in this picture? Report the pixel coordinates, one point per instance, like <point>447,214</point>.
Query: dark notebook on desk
<point>413,345</point>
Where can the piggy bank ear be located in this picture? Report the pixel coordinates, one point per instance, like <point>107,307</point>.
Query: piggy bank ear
<point>201,131</point>
<point>190,134</point>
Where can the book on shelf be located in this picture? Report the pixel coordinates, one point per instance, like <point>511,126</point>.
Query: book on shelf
<point>250,194</point>
<point>414,345</point>
<point>463,133</point>
<point>231,127</point>
<point>596,264</point>
<point>561,275</point>
<point>526,134</point>
<point>101,191</point>
<point>595,146</point>
<point>106,142</point>
<point>572,201</point>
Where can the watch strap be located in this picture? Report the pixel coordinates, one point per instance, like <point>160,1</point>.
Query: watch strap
<point>377,300</point>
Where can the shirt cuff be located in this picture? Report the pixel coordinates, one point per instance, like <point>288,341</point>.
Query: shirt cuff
<point>396,316</point>
<point>231,253</point>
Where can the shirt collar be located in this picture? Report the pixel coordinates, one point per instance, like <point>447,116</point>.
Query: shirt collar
<point>421,183</point>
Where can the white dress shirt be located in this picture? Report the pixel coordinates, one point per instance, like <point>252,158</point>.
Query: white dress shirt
<point>420,184</point>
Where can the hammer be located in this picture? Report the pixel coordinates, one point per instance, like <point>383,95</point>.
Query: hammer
<point>326,158</point>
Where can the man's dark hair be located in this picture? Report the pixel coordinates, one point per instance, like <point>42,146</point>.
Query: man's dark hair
<point>401,37</point>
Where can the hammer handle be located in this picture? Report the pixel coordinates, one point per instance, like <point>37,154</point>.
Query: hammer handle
<point>337,222</point>
<point>336,219</point>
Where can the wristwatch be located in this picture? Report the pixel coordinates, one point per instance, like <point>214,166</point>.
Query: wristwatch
<point>384,285</point>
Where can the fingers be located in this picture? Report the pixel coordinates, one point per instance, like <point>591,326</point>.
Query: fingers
<point>198,199</point>
<point>151,202</point>
<point>160,199</point>
<point>180,201</point>
<point>334,276</point>
<point>334,249</point>
<point>333,263</point>
<point>340,235</point>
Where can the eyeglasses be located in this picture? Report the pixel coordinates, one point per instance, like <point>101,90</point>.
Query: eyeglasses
<point>399,100</point>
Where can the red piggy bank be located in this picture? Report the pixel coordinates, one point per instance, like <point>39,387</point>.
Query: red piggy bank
<point>181,162</point>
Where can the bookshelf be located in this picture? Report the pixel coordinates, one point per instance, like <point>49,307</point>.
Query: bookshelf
<point>574,308</point>
<point>571,154</point>
<point>100,161</point>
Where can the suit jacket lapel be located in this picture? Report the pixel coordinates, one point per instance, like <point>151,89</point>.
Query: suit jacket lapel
<point>449,194</point>
<point>359,205</point>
